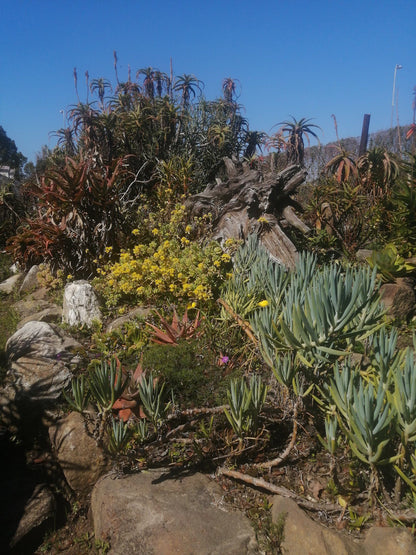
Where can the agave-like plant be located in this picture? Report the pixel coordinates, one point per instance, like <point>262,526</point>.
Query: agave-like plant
<point>107,384</point>
<point>245,405</point>
<point>119,435</point>
<point>152,397</point>
<point>178,329</point>
<point>403,398</point>
<point>369,428</point>
<point>80,394</point>
<point>331,436</point>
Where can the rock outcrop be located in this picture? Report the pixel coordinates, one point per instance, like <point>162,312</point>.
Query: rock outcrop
<point>81,460</point>
<point>159,514</point>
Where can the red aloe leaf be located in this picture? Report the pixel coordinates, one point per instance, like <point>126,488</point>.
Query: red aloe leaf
<point>125,414</point>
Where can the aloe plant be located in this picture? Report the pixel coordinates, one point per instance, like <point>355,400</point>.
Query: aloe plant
<point>106,384</point>
<point>119,435</point>
<point>245,405</point>
<point>80,394</point>
<point>151,394</point>
<point>178,329</point>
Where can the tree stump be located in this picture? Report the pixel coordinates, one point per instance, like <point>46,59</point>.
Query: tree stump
<point>252,201</point>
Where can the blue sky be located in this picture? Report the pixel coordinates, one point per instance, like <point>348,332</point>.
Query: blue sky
<point>306,58</point>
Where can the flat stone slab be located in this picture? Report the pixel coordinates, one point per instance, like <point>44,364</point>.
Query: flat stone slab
<point>155,514</point>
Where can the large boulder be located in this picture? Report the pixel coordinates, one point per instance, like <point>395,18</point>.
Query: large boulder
<point>30,280</point>
<point>81,460</point>
<point>399,298</point>
<point>80,306</point>
<point>38,516</point>
<point>40,356</point>
<point>156,514</point>
<point>303,535</point>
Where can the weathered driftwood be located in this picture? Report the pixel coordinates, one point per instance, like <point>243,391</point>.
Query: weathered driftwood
<point>250,201</point>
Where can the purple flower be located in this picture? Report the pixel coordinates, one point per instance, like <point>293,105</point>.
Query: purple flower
<point>225,359</point>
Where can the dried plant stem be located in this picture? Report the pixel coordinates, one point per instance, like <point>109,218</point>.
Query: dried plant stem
<point>196,411</point>
<point>283,456</point>
<point>278,490</point>
<point>244,325</point>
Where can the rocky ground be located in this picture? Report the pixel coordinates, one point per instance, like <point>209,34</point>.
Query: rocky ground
<point>57,502</point>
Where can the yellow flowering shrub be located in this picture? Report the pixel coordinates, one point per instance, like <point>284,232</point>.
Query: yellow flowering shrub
<point>168,259</point>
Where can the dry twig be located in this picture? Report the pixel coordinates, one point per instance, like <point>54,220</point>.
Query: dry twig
<point>279,490</point>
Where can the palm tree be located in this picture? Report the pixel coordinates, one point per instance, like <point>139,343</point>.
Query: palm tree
<point>293,132</point>
<point>187,85</point>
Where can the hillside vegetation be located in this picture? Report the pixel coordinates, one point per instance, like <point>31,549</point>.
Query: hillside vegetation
<point>269,367</point>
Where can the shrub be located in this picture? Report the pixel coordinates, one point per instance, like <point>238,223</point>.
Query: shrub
<point>167,262</point>
<point>78,217</point>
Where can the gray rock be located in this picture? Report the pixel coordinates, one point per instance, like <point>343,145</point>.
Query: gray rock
<point>30,280</point>
<point>81,460</point>
<point>150,513</point>
<point>363,254</point>
<point>9,284</point>
<point>15,268</point>
<point>303,535</point>
<point>389,541</point>
<point>51,315</point>
<point>33,303</point>
<point>41,340</point>
<point>135,313</point>
<point>399,298</point>
<point>38,515</point>
<point>81,306</point>
<point>40,356</point>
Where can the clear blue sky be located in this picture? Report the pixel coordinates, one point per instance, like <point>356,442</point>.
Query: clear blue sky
<point>306,58</point>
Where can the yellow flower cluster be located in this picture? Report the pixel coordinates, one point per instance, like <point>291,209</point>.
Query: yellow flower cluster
<point>166,263</point>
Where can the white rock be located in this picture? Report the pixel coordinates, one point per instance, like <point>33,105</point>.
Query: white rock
<point>80,305</point>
